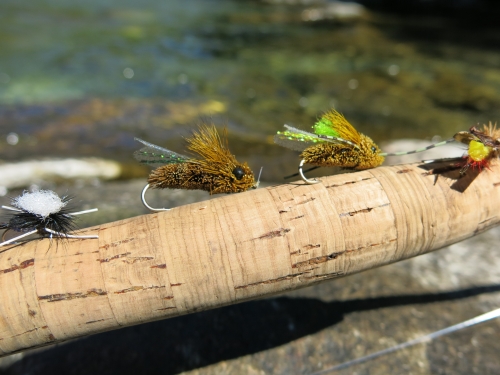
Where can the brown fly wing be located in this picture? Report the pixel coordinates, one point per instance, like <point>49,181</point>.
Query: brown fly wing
<point>485,136</point>
<point>210,146</point>
<point>464,137</point>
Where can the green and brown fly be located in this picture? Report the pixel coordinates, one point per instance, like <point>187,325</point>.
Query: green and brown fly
<point>336,143</point>
<point>212,167</point>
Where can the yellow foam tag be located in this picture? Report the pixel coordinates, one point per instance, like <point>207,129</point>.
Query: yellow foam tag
<point>478,151</point>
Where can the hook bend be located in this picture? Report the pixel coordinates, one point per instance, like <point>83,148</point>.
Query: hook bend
<point>306,180</point>
<point>143,198</point>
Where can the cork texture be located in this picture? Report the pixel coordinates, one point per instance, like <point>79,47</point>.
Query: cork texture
<point>233,248</point>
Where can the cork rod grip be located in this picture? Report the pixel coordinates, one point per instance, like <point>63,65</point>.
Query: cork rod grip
<point>233,248</point>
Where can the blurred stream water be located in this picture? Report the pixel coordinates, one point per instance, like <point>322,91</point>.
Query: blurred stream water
<point>83,78</point>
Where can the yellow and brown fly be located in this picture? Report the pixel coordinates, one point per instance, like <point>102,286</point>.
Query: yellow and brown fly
<point>483,146</point>
<point>215,169</point>
<point>483,151</point>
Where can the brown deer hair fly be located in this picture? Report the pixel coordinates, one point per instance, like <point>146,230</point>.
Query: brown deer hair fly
<point>214,169</point>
